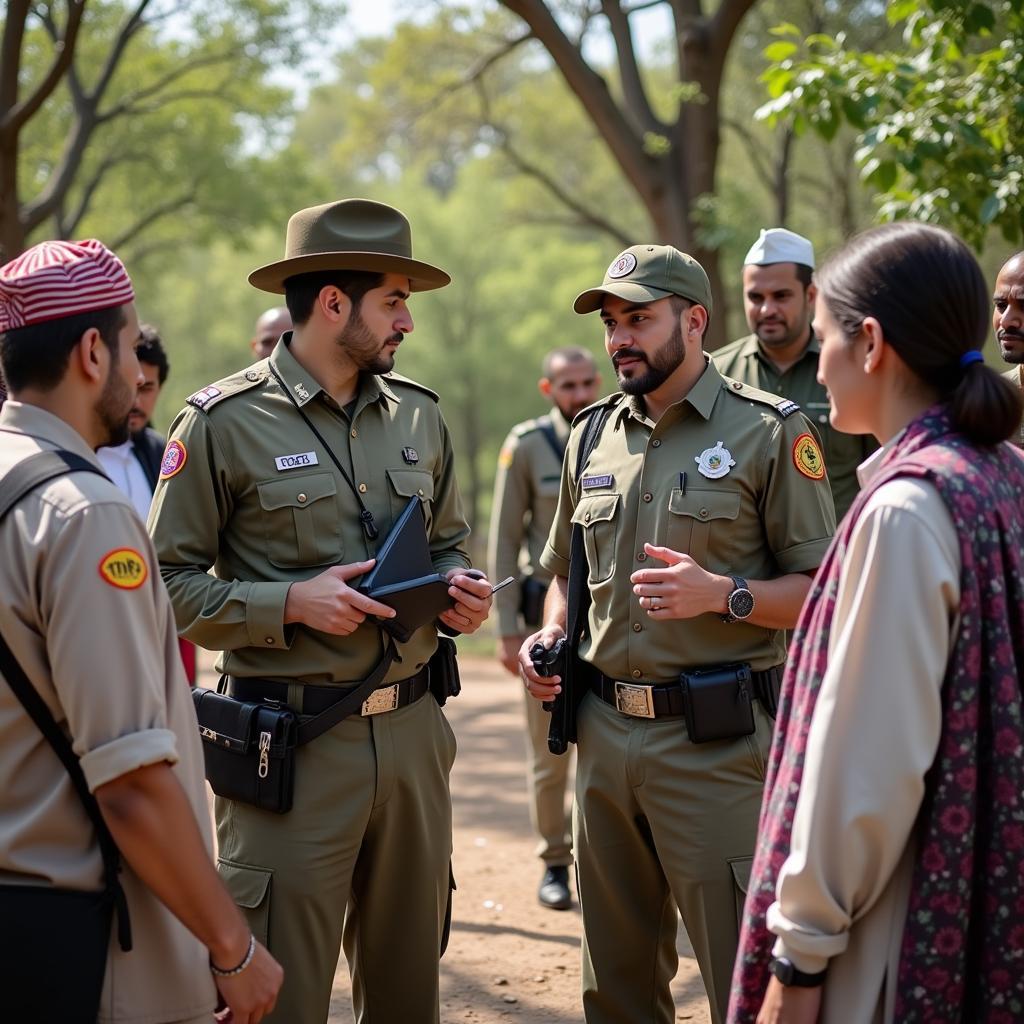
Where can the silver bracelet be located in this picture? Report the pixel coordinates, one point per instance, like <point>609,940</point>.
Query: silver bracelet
<point>251,952</point>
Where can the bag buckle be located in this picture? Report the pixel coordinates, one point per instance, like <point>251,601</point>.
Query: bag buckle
<point>637,701</point>
<point>263,769</point>
<point>384,699</point>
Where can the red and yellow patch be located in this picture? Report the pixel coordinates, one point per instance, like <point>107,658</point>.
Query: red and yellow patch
<point>505,456</point>
<point>124,568</point>
<point>807,457</point>
<point>175,457</point>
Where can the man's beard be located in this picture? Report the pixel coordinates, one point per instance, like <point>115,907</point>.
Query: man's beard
<point>113,408</point>
<point>1012,356</point>
<point>660,366</point>
<point>364,348</point>
<point>791,335</point>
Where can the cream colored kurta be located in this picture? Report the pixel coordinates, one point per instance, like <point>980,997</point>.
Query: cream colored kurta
<point>842,893</point>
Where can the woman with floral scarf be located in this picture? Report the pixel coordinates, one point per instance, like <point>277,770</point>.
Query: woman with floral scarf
<point>888,883</point>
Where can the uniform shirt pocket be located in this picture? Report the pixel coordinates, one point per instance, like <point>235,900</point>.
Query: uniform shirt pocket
<point>598,514</point>
<point>411,483</point>
<point>301,520</point>
<point>698,524</point>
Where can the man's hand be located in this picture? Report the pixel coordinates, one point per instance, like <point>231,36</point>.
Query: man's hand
<point>682,591</point>
<point>327,603</point>
<point>472,596</point>
<point>251,995</point>
<point>541,687</point>
<point>508,652</point>
<point>789,1005</point>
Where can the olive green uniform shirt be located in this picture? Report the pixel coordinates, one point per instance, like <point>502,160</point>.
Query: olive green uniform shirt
<point>1016,377</point>
<point>525,498</point>
<point>745,361</point>
<point>762,519</point>
<point>249,502</point>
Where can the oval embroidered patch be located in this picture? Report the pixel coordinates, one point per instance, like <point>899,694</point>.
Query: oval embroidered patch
<point>175,457</point>
<point>807,457</point>
<point>124,568</point>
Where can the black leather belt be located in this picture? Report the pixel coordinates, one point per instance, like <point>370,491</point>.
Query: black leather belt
<point>319,698</point>
<point>667,698</point>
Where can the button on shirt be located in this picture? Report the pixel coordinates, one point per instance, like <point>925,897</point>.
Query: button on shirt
<point>762,519</point>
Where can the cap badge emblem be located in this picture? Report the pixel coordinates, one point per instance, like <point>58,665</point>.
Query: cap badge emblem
<point>622,265</point>
<point>716,462</point>
<point>411,456</point>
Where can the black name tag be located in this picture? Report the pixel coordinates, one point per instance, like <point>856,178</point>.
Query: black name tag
<point>588,483</point>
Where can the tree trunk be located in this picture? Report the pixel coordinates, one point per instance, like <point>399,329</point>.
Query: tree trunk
<point>12,231</point>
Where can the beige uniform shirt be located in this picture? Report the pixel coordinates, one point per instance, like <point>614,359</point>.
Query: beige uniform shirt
<point>770,513</point>
<point>1016,377</point>
<point>744,360</point>
<point>248,491</point>
<point>88,619</point>
<point>525,498</point>
<point>843,891</point>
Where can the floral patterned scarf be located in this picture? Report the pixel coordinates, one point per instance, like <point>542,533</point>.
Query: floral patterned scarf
<point>962,954</point>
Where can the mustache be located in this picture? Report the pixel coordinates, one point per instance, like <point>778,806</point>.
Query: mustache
<point>628,353</point>
<point>1009,333</point>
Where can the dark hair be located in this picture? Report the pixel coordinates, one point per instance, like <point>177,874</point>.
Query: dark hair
<point>37,356</point>
<point>566,354</point>
<point>301,291</point>
<point>925,288</point>
<point>151,352</point>
<point>804,274</point>
<point>680,304</point>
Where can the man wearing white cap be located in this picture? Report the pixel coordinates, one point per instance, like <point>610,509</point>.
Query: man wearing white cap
<point>781,356</point>
<point>99,746</point>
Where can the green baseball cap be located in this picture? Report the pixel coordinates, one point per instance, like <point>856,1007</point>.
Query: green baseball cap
<point>646,273</point>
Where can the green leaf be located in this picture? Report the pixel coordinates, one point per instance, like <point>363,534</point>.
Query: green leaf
<point>780,50</point>
<point>787,28</point>
<point>900,9</point>
<point>990,209</point>
<point>881,174</point>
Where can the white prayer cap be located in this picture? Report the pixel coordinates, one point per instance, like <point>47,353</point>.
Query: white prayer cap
<point>777,245</point>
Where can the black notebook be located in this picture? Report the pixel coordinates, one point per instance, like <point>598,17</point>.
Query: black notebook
<point>404,577</point>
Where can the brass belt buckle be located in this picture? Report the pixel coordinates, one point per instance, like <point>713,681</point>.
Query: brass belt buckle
<point>637,701</point>
<point>384,699</point>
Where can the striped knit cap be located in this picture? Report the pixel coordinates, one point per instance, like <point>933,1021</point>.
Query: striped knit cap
<point>58,279</point>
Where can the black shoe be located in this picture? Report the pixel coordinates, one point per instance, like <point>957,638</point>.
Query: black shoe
<point>554,889</point>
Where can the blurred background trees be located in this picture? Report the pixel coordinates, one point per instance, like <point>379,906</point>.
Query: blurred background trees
<point>528,141</point>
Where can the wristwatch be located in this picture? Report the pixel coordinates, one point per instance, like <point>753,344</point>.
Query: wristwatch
<point>740,602</point>
<point>784,969</point>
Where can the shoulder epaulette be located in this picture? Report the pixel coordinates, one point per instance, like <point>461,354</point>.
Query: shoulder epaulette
<point>584,414</point>
<point>396,378</point>
<point>526,427</point>
<point>205,398</point>
<point>783,406</point>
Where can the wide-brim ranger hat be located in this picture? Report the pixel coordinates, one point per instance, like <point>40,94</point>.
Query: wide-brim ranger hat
<point>646,273</point>
<point>351,234</point>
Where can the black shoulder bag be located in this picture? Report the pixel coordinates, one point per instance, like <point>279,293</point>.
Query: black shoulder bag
<point>562,729</point>
<point>53,941</point>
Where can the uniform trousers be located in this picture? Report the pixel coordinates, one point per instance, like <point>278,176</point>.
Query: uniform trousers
<point>663,827</point>
<point>363,857</point>
<point>548,775</point>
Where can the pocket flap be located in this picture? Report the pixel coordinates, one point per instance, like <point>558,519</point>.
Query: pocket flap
<point>224,722</point>
<point>595,508</point>
<point>741,872</point>
<point>410,482</point>
<point>248,886</point>
<point>296,491</point>
<point>705,505</point>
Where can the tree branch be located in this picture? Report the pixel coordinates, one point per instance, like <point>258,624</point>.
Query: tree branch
<point>629,71</point>
<point>218,93</point>
<point>753,151</point>
<point>158,212</point>
<point>124,36</point>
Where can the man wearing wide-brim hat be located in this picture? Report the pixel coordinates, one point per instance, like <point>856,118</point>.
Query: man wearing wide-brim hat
<point>279,485</point>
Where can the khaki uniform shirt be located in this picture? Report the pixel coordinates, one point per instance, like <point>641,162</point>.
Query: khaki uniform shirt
<point>88,619</point>
<point>525,498</point>
<point>743,360</point>
<point>1016,377</point>
<point>248,492</point>
<point>764,517</point>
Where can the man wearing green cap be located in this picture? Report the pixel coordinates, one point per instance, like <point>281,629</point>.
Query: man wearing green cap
<point>781,355</point>
<point>703,508</point>
<point>277,488</point>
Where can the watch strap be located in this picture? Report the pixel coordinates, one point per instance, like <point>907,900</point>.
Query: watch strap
<point>789,975</point>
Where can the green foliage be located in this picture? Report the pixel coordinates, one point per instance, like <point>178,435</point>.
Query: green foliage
<point>938,118</point>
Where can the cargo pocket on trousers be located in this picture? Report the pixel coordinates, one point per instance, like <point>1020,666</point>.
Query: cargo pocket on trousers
<point>446,931</point>
<point>740,868</point>
<point>250,889</point>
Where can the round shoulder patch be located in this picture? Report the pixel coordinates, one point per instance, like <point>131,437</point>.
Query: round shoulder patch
<point>622,265</point>
<point>173,462</point>
<point>505,456</point>
<point>124,568</point>
<point>807,457</point>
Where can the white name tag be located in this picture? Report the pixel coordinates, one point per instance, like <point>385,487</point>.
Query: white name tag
<point>296,461</point>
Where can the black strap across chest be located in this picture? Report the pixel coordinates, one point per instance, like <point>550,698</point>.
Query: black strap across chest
<point>547,429</point>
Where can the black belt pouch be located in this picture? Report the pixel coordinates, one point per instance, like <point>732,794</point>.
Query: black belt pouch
<point>531,600</point>
<point>444,671</point>
<point>249,749</point>
<point>717,703</point>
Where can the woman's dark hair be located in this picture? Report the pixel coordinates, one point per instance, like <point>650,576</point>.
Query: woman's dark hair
<point>37,356</point>
<point>925,288</point>
<point>301,291</point>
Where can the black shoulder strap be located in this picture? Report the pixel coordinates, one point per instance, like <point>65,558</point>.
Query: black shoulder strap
<point>548,430</point>
<point>15,485</point>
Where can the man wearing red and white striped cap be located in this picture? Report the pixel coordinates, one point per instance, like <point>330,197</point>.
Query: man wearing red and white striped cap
<point>86,617</point>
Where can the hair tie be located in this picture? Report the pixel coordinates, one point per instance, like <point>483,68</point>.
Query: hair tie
<point>973,356</point>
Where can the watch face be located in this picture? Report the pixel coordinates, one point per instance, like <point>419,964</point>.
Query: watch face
<point>741,603</point>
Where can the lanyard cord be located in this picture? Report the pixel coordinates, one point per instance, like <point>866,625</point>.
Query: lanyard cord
<point>365,515</point>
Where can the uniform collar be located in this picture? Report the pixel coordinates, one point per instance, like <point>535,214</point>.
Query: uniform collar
<point>701,397</point>
<point>37,422</point>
